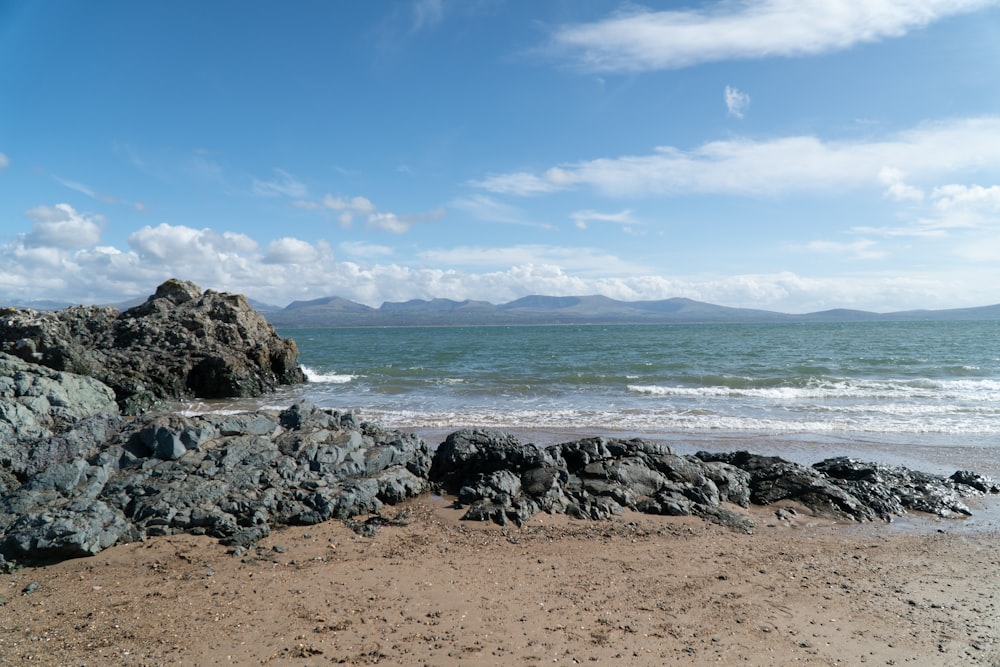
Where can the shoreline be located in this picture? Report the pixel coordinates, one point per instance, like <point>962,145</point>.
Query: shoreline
<point>802,448</point>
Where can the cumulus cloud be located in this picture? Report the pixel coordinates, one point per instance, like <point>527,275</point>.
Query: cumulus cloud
<point>641,39</point>
<point>61,226</point>
<point>737,102</point>
<point>958,206</point>
<point>954,196</point>
<point>290,269</point>
<point>185,246</point>
<point>896,186</point>
<point>288,250</point>
<point>771,167</point>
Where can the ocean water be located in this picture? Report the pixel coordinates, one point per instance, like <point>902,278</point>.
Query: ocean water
<point>916,393</point>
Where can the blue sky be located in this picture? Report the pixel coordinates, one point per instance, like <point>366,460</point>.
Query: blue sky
<point>793,155</point>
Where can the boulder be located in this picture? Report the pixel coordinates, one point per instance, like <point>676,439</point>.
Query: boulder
<point>181,343</point>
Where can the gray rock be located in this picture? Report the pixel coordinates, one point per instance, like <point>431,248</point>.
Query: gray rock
<point>181,343</point>
<point>497,478</point>
<point>48,417</point>
<point>235,479</point>
<point>892,490</point>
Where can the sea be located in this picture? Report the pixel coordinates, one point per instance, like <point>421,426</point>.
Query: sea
<point>921,394</point>
<point>925,395</point>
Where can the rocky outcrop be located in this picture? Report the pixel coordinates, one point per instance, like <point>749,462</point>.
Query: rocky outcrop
<point>496,477</point>
<point>180,343</point>
<point>60,411</point>
<point>234,477</point>
<point>107,480</point>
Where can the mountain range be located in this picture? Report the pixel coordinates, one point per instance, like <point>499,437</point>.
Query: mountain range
<point>335,311</point>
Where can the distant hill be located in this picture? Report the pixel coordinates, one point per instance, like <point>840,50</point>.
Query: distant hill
<point>595,309</point>
<point>335,311</point>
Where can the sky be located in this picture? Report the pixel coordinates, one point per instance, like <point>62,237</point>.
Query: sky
<point>792,155</point>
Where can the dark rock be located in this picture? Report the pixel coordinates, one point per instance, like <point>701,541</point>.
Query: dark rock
<point>773,479</point>
<point>980,483</point>
<point>180,343</point>
<point>891,490</point>
<point>500,479</point>
<point>236,479</point>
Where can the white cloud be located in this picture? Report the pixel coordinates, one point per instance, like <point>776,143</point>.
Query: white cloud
<point>361,207</point>
<point>349,208</point>
<point>582,219</point>
<point>288,250</point>
<point>956,206</point>
<point>61,226</point>
<point>737,102</point>
<point>180,245</point>
<point>489,209</point>
<point>4,161</point>
<point>520,183</point>
<point>772,167</point>
<point>285,185</point>
<point>954,196</point>
<point>399,224</point>
<point>389,222</point>
<point>79,187</point>
<point>585,261</point>
<point>642,39</point>
<point>230,261</point>
<point>896,187</point>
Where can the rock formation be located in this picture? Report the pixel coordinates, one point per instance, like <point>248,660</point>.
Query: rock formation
<point>229,476</point>
<point>496,477</point>
<point>180,343</point>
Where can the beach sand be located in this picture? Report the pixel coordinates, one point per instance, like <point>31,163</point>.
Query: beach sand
<point>635,590</point>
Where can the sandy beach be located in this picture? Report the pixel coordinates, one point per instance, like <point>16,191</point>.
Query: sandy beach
<point>640,590</point>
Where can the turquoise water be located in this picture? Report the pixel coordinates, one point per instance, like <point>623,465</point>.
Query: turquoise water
<point>882,390</point>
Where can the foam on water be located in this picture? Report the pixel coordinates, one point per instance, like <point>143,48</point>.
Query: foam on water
<point>331,378</point>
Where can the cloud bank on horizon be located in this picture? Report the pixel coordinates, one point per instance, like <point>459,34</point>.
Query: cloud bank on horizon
<point>793,156</point>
